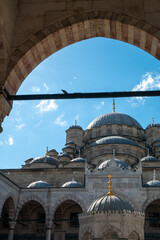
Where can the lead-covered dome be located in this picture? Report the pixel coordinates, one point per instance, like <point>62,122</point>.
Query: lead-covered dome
<point>45,159</point>
<point>149,159</point>
<point>114,140</point>
<point>112,161</point>
<point>72,184</point>
<point>78,159</point>
<point>109,203</point>
<point>114,118</point>
<point>39,184</point>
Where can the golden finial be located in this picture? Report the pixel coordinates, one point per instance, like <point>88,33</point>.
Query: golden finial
<point>47,151</point>
<point>152,120</point>
<point>75,122</point>
<point>113,105</point>
<point>110,187</point>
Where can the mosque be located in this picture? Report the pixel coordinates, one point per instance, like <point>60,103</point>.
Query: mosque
<point>105,184</point>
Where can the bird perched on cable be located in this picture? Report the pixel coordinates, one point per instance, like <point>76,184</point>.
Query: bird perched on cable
<point>64,91</point>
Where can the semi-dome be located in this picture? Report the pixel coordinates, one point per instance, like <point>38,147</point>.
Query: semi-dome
<point>78,159</point>
<point>114,140</point>
<point>112,161</point>
<point>109,203</point>
<point>44,159</point>
<point>149,159</point>
<point>72,184</point>
<point>39,184</point>
<point>114,118</point>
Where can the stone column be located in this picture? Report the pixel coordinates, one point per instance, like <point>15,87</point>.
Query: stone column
<point>11,229</point>
<point>5,107</point>
<point>49,225</point>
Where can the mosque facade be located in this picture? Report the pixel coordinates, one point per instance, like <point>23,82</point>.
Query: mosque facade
<point>105,184</point>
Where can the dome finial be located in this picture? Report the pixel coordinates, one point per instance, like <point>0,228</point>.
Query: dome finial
<point>73,179</point>
<point>154,174</point>
<point>153,121</point>
<point>113,106</point>
<point>75,122</point>
<point>47,151</point>
<point>110,187</point>
<point>114,152</point>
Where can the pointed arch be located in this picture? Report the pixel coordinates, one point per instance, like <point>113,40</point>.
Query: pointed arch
<point>65,198</point>
<point>32,198</point>
<point>74,29</point>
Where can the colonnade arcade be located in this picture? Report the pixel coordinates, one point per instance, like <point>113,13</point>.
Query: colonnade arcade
<point>33,223</point>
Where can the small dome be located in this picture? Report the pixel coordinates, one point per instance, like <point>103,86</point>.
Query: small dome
<point>39,184</point>
<point>153,183</point>
<point>153,125</point>
<point>149,159</point>
<point>110,162</point>
<point>72,184</point>
<point>114,140</point>
<point>109,203</point>
<point>76,127</point>
<point>64,154</point>
<point>78,159</point>
<point>52,151</point>
<point>114,118</point>
<point>44,159</point>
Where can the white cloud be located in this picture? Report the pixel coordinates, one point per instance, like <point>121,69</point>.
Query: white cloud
<point>46,106</point>
<point>9,141</point>
<point>20,126</point>
<point>99,106</point>
<point>35,89</point>
<point>60,122</point>
<point>149,82</point>
<point>46,86</point>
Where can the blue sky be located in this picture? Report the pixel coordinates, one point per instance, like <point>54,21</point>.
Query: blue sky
<point>94,65</point>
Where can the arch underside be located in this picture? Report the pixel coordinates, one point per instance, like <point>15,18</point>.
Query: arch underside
<point>74,29</point>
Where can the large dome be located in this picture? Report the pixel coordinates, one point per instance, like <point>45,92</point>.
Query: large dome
<point>114,118</point>
<point>109,203</point>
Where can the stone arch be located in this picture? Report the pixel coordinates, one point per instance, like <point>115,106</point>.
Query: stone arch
<point>111,228</point>
<point>148,201</point>
<point>74,29</point>
<point>109,234</point>
<point>9,195</point>
<point>133,236</point>
<point>9,201</point>
<point>32,198</point>
<point>65,198</point>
